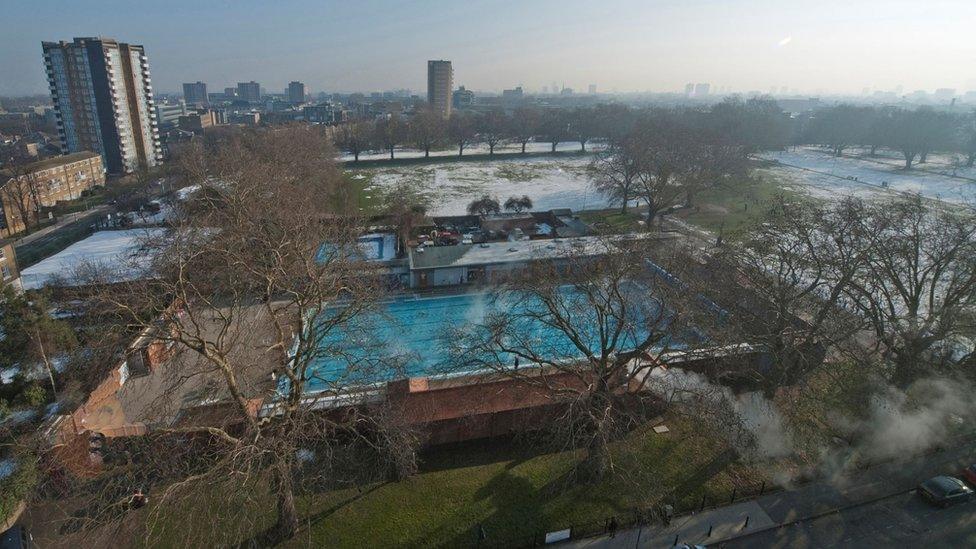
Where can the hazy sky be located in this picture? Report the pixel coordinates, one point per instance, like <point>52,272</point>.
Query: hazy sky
<point>627,45</point>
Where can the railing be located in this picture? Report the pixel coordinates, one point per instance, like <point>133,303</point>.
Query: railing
<point>632,518</point>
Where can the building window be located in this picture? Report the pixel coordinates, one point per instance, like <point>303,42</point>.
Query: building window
<point>5,272</point>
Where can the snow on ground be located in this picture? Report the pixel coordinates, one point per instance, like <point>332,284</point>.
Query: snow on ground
<point>448,188</point>
<point>953,165</point>
<point>117,250</point>
<point>478,148</point>
<point>827,176</point>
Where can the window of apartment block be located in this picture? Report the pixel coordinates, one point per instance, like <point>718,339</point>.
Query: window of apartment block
<point>5,272</point>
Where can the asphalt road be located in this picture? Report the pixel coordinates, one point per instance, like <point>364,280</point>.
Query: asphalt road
<point>899,521</point>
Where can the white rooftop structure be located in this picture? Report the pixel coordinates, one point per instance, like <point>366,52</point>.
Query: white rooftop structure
<point>118,251</point>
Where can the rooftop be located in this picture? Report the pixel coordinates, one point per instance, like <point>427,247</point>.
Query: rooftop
<point>118,250</point>
<point>488,253</point>
<point>56,161</point>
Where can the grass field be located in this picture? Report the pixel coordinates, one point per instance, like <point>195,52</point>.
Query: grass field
<point>729,208</point>
<point>510,490</point>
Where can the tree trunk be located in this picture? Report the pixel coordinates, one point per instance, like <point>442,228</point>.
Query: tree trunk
<point>523,146</point>
<point>460,150</point>
<point>582,145</point>
<point>491,150</point>
<point>391,153</point>
<point>874,150</point>
<point>597,461</point>
<point>971,159</point>
<point>287,522</point>
<point>623,207</point>
<point>923,157</point>
<point>355,156</point>
<point>47,363</point>
<point>554,146</point>
<point>908,160</point>
<point>427,151</point>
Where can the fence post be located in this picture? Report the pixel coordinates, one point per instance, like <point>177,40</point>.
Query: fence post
<point>762,488</point>
<point>709,534</point>
<point>746,523</point>
<point>732,499</point>
<point>675,544</point>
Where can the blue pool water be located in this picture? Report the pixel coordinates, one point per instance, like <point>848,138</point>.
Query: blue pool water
<point>412,337</point>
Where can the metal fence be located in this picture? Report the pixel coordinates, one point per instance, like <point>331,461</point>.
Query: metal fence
<point>631,518</point>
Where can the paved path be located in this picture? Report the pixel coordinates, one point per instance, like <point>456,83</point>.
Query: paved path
<point>62,222</point>
<point>812,504</point>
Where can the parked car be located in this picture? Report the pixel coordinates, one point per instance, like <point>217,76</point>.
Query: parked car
<point>969,474</point>
<point>944,491</point>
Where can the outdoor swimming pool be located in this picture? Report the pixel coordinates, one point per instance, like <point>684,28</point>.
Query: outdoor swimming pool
<point>412,336</point>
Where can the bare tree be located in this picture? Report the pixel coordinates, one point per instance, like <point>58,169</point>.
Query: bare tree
<point>583,125</point>
<point>484,206</point>
<point>19,189</point>
<point>517,204</point>
<point>427,129</point>
<point>617,169</point>
<point>663,150</point>
<point>525,125</point>
<point>554,127</point>
<point>492,128</point>
<point>461,129</point>
<point>786,282</point>
<point>353,137</point>
<point>257,282</point>
<point>585,329</point>
<point>388,133</point>
<point>918,283</point>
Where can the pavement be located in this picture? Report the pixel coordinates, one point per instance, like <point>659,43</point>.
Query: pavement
<point>63,221</point>
<point>858,508</point>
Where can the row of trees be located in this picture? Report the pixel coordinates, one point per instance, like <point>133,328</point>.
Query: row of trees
<point>665,157</point>
<point>428,130</point>
<point>914,133</point>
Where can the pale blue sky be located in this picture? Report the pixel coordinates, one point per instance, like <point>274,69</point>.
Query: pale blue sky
<point>628,45</point>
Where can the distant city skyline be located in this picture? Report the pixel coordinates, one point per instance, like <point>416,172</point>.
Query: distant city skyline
<point>620,45</point>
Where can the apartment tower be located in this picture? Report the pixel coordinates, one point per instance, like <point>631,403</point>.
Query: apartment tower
<point>296,93</point>
<point>103,101</point>
<point>249,91</point>
<point>195,94</point>
<point>440,82</point>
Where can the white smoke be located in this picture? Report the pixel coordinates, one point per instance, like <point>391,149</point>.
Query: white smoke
<point>899,424</point>
<point>753,424</point>
<point>905,423</point>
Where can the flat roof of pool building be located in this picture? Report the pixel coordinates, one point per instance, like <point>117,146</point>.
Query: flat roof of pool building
<point>493,253</point>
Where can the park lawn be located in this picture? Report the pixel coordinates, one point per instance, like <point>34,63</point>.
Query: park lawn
<point>512,491</point>
<point>730,208</point>
<point>366,199</point>
<point>613,220</point>
<point>522,495</point>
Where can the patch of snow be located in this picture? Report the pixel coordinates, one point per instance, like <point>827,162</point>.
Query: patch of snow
<point>448,188</point>
<point>831,177</point>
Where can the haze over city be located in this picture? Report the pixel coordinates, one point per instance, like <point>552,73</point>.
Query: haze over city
<point>621,45</point>
<point>495,274</point>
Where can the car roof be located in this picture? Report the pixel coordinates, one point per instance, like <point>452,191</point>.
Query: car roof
<point>943,483</point>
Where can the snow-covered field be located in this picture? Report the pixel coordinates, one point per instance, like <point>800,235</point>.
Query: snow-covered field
<point>827,176</point>
<point>479,148</point>
<point>944,164</point>
<point>447,188</point>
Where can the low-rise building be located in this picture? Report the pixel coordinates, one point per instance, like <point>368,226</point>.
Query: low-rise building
<point>8,263</point>
<point>26,189</point>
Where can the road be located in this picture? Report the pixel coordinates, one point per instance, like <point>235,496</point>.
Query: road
<point>900,521</point>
